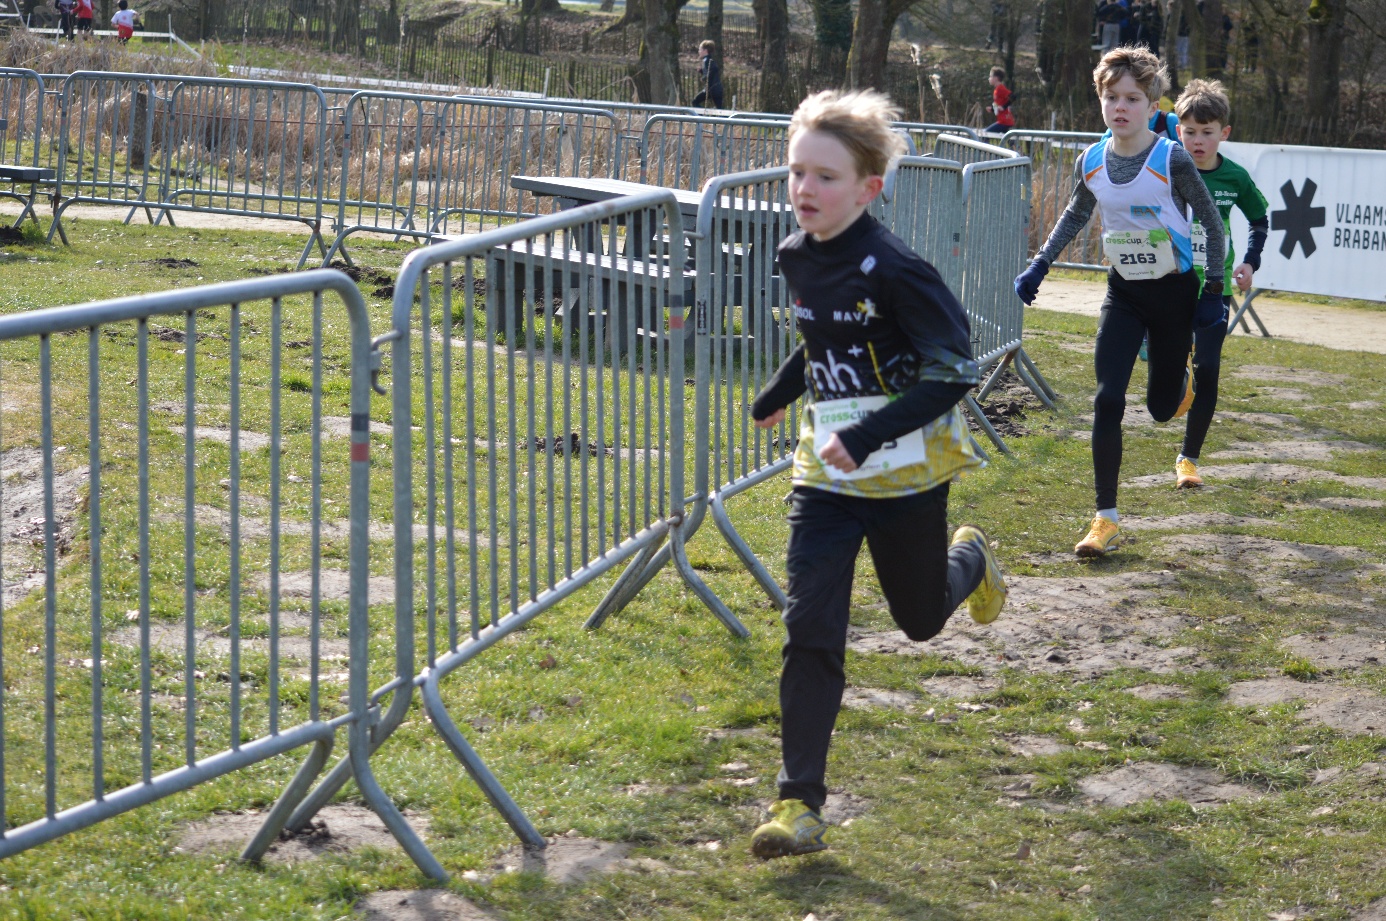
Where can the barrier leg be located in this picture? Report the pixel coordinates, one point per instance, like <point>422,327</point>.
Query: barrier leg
<point>745,554</point>
<point>382,806</point>
<point>57,226</point>
<point>308,248</point>
<point>501,800</point>
<point>1030,374</point>
<point>983,424</point>
<point>284,806</point>
<point>635,577</point>
<point>994,377</point>
<point>338,246</point>
<point>695,582</point>
<point>1243,310</point>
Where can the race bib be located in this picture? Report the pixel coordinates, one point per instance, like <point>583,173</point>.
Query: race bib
<point>1199,238</point>
<point>1140,254</point>
<point>831,415</point>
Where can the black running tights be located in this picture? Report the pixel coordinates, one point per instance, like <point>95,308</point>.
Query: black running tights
<point>1161,309</point>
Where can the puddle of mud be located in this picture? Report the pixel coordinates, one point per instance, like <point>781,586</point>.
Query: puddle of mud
<point>1151,780</point>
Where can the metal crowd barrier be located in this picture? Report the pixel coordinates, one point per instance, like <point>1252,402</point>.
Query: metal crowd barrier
<point>240,147</point>
<point>685,151</point>
<point>21,126</point>
<point>552,420</point>
<point>967,150</point>
<point>177,688</point>
<point>422,166</point>
<point>996,201</point>
<point>1054,157</point>
<point>922,204</point>
<point>923,135</point>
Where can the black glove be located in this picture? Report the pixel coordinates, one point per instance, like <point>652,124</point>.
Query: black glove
<point>1027,282</point>
<point>1210,307</point>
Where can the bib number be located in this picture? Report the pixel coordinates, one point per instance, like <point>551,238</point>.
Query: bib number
<point>1139,254</point>
<point>1199,238</point>
<point>832,415</point>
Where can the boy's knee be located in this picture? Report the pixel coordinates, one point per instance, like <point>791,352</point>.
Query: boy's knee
<point>920,633</point>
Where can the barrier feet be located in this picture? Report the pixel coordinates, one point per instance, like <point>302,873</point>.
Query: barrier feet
<point>636,576</point>
<point>480,773</point>
<point>695,582</point>
<point>297,789</point>
<point>984,424</point>
<point>745,554</point>
<point>1025,367</point>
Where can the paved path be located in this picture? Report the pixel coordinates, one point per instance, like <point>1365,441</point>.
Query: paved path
<point>1348,328</point>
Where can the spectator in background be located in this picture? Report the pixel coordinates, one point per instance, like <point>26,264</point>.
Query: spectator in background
<point>84,17</point>
<point>998,21</point>
<point>1131,25</point>
<point>1111,14</point>
<point>1151,27</point>
<point>710,97</point>
<point>125,21</point>
<point>1001,98</point>
<point>66,10</point>
<point>1181,39</point>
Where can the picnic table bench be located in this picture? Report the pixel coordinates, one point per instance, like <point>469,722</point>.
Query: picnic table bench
<point>18,174</point>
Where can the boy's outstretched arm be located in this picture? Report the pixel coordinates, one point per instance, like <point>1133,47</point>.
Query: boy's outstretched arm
<point>781,390</point>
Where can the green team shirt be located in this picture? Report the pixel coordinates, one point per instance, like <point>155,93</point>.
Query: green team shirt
<point>1230,185</point>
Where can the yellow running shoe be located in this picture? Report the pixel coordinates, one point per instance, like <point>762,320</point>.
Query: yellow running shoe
<point>795,829</point>
<point>1188,398</point>
<point>1186,474</point>
<point>984,604</point>
<point>1102,538</point>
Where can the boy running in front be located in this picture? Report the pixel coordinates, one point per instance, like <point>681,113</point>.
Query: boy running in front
<point>1143,186</point>
<point>1203,113</point>
<point>885,359</point>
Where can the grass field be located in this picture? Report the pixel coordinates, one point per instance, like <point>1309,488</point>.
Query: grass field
<point>1194,727</point>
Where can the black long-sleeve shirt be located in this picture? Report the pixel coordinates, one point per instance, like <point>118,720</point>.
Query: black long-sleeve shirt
<point>877,320</point>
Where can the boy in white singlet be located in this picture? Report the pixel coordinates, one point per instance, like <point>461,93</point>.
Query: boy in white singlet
<point>1144,187</point>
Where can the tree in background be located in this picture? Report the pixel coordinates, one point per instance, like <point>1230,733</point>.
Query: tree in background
<point>832,36</point>
<point>659,51</point>
<point>1065,58</point>
<point>1326,25</point>
<point>871,42</point>
<point>776,93</point>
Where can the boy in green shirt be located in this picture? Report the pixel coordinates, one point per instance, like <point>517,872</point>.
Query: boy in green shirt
<point>1203,113</point>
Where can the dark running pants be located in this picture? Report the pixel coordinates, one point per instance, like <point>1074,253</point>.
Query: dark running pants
<point>1207,366</point>
<point>1160,309</point>
<point>923,580</point>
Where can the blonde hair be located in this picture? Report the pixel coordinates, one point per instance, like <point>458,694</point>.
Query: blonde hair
<point>860,120</point>
<point>1137,61</point>
<point>708,45</point>
<point>1205,102</point>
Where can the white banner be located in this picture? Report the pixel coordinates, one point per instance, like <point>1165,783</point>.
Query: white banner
<point>1327,218</point>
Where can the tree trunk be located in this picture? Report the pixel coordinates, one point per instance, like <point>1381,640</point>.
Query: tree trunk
<point>1065,56</point>
<point>1325,64</point>
<point>871,42</point>
<point>832,38</point>
<point>659,51</point>
<point>776,94</point>
<point>531,7</point>
<point>1198,39</point>
<point>713,31</point>
<point>1170,42</point>
<point>1214,39</point>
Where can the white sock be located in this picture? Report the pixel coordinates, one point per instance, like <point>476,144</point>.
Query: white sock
<point>1109,513</point>
<point>1185,457</point>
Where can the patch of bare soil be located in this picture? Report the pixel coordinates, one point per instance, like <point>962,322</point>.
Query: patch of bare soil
<point>1348,710</point>
<point>1336,651</point>
<point>294,643</point>
<point>1194,521</point>
<point>1264,420</point>
<point>1286,394</point>
<point>1249,554</point>
<point>340,427</point>
<point>1158,692</point>
<point>338,829</point>
<point>1363,405</point>
<point>1269,473</point>
<point>1278,374</point>
<point>959,686</point>
<point>570,859</point>
<point>1290,450</point>
<point>1372,770</point>
<point>1078,626</point>
<point>256,528</point>
<point>1153,780</point>
<point>1376,911</point>
<point>420,905</point>
<point>23,527</point>
<point>840,808</point>
<point>1007,405</point>
<point>250,441</point>
<point>1036,746</point>
<point>873,698</point>
<point>333,584</point>
<point>1341,503</point>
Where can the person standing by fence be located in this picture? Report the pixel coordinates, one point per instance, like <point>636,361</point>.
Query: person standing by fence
<point>1144,186</point>
<point>66,16</point>
<point>710,96</point>
<point>886,356</point>
<point>85,14</point>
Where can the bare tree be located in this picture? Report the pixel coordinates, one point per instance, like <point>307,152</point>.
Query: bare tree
<point>832,37</point>
<point>871,42</point>
<point>776,94</point>
<point>1325,60</point>
<point>1065,51</point>
<point>659,51</point>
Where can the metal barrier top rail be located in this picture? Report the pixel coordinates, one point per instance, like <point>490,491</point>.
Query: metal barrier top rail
<point>1054,155</point>
<point>967,150</point>
<point>127,545</point>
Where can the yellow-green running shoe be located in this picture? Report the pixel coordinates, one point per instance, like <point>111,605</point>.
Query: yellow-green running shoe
<point>1186,474</point>
<point>1102,537</point>
<point>795,829</point>
<point>984,604</point>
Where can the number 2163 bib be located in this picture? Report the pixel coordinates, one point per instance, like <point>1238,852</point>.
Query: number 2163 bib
<point>1140,254</point>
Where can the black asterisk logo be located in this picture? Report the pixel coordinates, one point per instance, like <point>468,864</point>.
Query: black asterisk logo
<point>1298,219</point>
